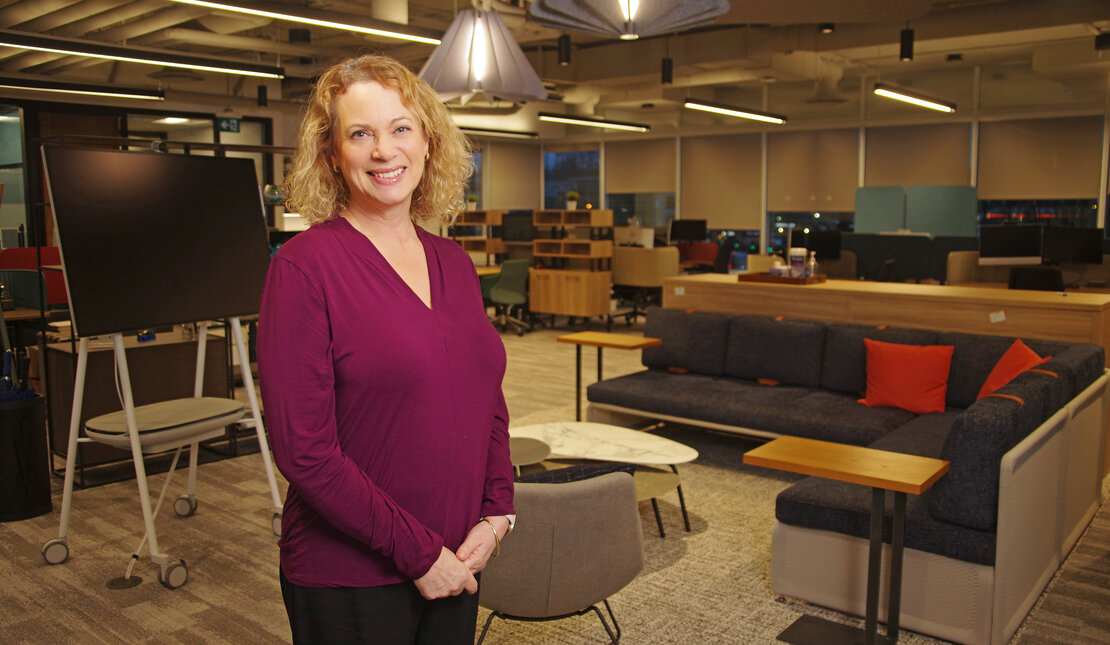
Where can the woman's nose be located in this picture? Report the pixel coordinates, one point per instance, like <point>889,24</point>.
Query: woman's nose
<point>384,148</point>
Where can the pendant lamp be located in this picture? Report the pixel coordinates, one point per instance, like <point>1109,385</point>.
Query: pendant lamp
<point>626,19</point>
<point>478,54</point>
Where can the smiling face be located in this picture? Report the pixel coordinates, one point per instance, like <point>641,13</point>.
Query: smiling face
<point>379,148</point>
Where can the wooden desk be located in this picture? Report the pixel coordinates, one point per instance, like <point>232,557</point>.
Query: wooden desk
<point>488,270</point>
<point>882,471</point>
<point>600,340</point>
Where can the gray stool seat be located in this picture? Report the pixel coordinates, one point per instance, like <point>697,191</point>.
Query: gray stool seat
<point>167,424</point>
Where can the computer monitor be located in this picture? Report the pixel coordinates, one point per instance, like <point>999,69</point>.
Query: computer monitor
<point>689,230</point>
<point>826,242</point>
<point>1064,244</point>
<point>516,226</point>
<point>1010,244</point>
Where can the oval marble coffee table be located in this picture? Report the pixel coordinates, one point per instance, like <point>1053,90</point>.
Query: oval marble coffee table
<point>604,442</point>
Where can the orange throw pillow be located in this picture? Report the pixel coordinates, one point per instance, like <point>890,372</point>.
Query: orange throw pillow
<point>910,377</point>
<point>1016,360</point>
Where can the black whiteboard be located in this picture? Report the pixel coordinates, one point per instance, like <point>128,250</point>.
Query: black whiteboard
<point>151,239</point>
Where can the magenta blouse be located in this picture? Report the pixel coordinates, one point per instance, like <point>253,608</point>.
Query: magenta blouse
<point>385,416</point>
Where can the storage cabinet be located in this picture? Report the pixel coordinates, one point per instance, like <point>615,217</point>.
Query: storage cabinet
<point>570,292</point>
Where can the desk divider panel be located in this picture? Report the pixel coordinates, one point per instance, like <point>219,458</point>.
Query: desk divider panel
<point>942,210</point>
<point>880,209</point>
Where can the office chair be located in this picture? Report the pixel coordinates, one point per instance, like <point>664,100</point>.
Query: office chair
<point>638,276</point>
<point>510,293</point>
<point>885,271</point>
<point>581,544</point>
<point>1037,278</point>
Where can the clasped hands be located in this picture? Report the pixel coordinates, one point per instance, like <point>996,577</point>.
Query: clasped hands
<point>453,573</point>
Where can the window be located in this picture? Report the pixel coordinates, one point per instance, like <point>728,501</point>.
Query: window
<point>651,209</point>
<point>576,170</point>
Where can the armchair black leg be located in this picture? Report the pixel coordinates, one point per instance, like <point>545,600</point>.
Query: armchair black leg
<point>658,520</point>
<point>614,639</point>
<point>485,627</point>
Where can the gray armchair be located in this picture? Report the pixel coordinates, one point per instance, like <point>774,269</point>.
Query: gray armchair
<point>575,545</point>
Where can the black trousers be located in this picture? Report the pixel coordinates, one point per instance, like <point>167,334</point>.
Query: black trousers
<point>389,615</point>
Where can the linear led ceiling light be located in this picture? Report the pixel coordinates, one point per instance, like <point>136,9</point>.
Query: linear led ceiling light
<point>594,123</point>
<point>504,134</point>
<point>728,110</point>
<point>61,87</point>
<point>92,49</point>
<point>309,16</point>
<point>920,100</point>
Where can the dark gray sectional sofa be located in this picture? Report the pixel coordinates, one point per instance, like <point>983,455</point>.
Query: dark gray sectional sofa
<point>1024,480</point>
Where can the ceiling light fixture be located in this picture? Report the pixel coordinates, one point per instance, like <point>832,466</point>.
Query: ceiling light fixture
<point>60,87</point>
<point>594,122</point>
<point>478,54</point>
<point>826,27</point>
<point>905,51</point>
<point>503,134</point>
<point>914,98</point>
<point>564,50</point>
<point>309,16</point>
<point>728,110</point>
<point>146,56</point>
<point>626,19</point>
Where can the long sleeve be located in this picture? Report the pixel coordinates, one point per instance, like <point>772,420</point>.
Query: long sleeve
<point>498,495</point>
<point>298,390</point>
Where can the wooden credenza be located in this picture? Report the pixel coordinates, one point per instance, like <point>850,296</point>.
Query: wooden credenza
<point>569,292</point>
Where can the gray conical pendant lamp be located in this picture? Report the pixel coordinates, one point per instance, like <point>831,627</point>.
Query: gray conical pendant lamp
<point>478,54</point>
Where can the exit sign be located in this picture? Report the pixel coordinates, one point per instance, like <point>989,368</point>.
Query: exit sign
<point>228,124</point>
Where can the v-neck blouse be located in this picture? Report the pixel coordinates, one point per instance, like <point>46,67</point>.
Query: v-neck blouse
<point>385,416</point>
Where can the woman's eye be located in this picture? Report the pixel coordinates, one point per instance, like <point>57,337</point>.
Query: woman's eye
<point>403,129</point>
<point>358,134</point>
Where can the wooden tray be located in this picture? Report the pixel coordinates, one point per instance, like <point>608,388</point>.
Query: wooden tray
<point>779,279</point>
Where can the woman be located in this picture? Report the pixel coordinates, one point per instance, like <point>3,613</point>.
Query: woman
<point>380,373</point>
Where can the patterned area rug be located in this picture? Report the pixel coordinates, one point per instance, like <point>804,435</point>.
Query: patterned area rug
<point>711,585</point>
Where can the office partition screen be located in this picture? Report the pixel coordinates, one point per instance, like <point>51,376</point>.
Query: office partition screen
<point>151,239</point>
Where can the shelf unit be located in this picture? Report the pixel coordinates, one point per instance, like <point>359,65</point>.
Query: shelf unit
<point>563,236</point>
<point>484,242</point>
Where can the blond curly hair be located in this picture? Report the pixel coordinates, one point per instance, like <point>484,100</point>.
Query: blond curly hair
<point>318,192</point>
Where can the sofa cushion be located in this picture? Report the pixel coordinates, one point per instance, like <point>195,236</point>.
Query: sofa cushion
<point>694,341</point>
<point>844,364</point>
<point>968,494</point>
<point>910,377</point>
<point>787,351</point>
<point>727,401</point>
<point>846,508</point>
<point>1016,360</point>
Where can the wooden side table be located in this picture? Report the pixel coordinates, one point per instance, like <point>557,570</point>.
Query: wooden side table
<point>882,471</point>
<point>600,340</point>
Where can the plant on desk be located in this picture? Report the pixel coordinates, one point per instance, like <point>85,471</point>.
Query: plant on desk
<point>472,202</point>
<point>572,200</point>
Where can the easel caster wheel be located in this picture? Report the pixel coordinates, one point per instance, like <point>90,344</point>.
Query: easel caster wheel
<point>275,524</point>
<point>175,575</point>
<point>185,505</point>
<point>55,551</point>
